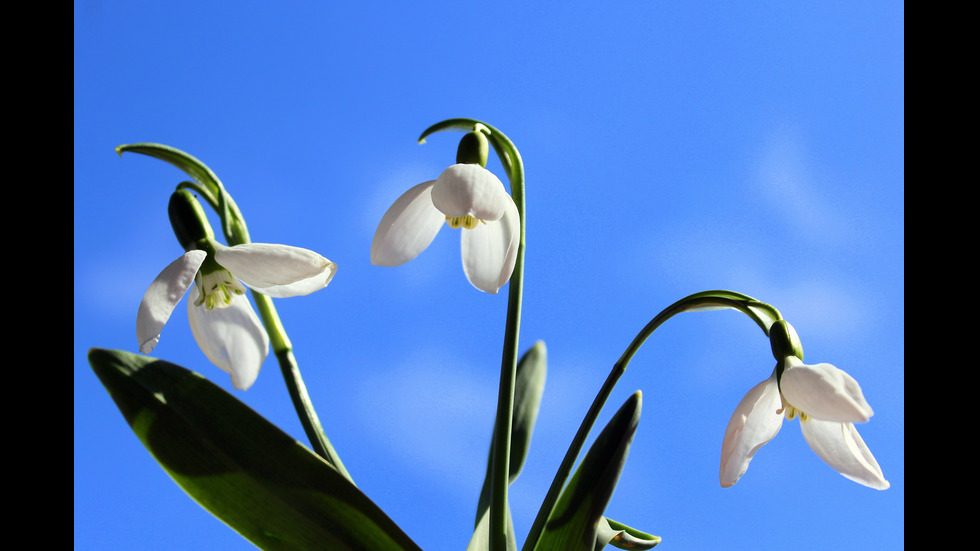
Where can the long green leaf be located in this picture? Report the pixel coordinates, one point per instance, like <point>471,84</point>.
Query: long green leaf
<point>234,463</point>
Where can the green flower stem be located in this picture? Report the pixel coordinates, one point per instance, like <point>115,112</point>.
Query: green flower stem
<point>236,233</point>
<point>763,314</point>
<point>510,158</point>
<point>283,349</point>
<point>508,365</point>
<point>505,402</point>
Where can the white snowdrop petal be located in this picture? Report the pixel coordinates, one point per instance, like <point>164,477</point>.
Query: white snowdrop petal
<point>754,423</point>
<point>232,338</point>
<point>824,392</point>
<point>407,228</point>
<point>490,251</point>
<point>163,295</point>
<point>841,447</point>
<point>467,189</point>
<point>269,266</point>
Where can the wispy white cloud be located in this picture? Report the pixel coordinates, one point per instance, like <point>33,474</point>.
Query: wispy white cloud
<point>433,408</point>
<point>826,301</point>
<point>789,181</point>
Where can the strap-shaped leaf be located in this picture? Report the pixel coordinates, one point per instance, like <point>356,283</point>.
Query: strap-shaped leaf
<point>528,388</point>
<point>622,536</point>
<point>573,524</point>
<point>234,463</point>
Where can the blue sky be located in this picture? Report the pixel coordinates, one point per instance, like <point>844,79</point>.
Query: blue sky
<point>670,148</point>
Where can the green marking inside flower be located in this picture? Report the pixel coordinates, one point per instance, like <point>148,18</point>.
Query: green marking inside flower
<point>468,222</point>
<point>790,412</point>
<point>216,289</point>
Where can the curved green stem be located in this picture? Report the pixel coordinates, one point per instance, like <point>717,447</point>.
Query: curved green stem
<point>283,349</point>
<point>510,158</point>
<point>236,233</point>
<point>761,313</point>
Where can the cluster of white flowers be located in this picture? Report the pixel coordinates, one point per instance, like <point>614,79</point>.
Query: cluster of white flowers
<point>826,400</point>
<point>230,334</point>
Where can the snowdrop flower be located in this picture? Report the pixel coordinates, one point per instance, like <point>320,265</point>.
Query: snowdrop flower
<point>466,197</point>
<point>222,320</point>
<point>827,402</point>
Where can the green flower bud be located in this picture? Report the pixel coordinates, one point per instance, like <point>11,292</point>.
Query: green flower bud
<point>784,341</point>
<point>473,149</point>
<point>187,217</point>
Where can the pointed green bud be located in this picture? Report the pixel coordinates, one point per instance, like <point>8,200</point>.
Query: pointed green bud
<point>784,341</point>
<point>188,220</point>
<point>473,149</point>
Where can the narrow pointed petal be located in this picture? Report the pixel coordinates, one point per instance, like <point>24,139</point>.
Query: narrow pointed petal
<point>163,295</point>
<point>277,270</point>
<point>232,338</point>
<point>490,251</point>
<point>465,189</point>
<point>824,392</point>
<point>754,423</point>
<point>841,447</point>
<point>407,228</point>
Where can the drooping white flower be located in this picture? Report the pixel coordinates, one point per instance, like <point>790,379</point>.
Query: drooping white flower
<point>222,320</point>
<point>465,196</point>
<point>827,401</point>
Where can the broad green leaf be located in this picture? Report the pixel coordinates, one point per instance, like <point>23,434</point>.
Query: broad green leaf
<point>622,536</point>
<point>528,388</point>
<point>244,470</point>
<point>574,522</point>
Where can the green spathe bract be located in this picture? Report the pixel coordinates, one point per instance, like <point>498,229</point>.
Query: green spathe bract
<point>784,341</point>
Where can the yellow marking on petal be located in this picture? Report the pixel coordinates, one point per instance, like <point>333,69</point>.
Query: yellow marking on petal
<point>468,222</point>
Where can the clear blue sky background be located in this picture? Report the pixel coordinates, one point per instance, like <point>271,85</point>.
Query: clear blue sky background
<point>670,148</point>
